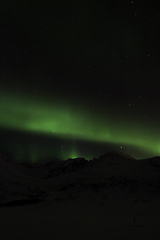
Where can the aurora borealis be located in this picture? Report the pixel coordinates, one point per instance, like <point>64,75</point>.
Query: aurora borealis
<point>39,117</point>
<point>79,79</point>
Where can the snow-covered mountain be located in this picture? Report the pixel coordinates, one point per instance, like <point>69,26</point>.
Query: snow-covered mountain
<point>110,173</point>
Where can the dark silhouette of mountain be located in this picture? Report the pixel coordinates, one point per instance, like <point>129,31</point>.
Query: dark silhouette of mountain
<point>115,154</point>
<point>24,183</point>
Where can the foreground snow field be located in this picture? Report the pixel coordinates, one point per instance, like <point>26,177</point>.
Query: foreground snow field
<point>48,222</point>
<point>113,197</point>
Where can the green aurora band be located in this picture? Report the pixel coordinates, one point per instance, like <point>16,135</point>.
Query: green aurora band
<point>34,115</point>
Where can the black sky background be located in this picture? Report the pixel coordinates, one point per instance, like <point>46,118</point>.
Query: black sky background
<point>101,55</point>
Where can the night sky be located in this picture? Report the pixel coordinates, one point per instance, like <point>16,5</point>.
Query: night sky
<point>79,78</point>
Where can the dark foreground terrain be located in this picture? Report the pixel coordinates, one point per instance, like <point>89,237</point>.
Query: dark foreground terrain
<point>112,197</point>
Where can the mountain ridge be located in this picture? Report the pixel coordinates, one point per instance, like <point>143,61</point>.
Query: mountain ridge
<point>113,171</point>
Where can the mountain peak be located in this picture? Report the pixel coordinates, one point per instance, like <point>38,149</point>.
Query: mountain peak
<point>121,154</point>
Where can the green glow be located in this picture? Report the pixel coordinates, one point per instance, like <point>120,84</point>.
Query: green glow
<point>72,153</point>
<point>72,122</point>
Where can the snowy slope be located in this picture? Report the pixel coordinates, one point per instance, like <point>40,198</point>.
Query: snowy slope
<point>110,173</point>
